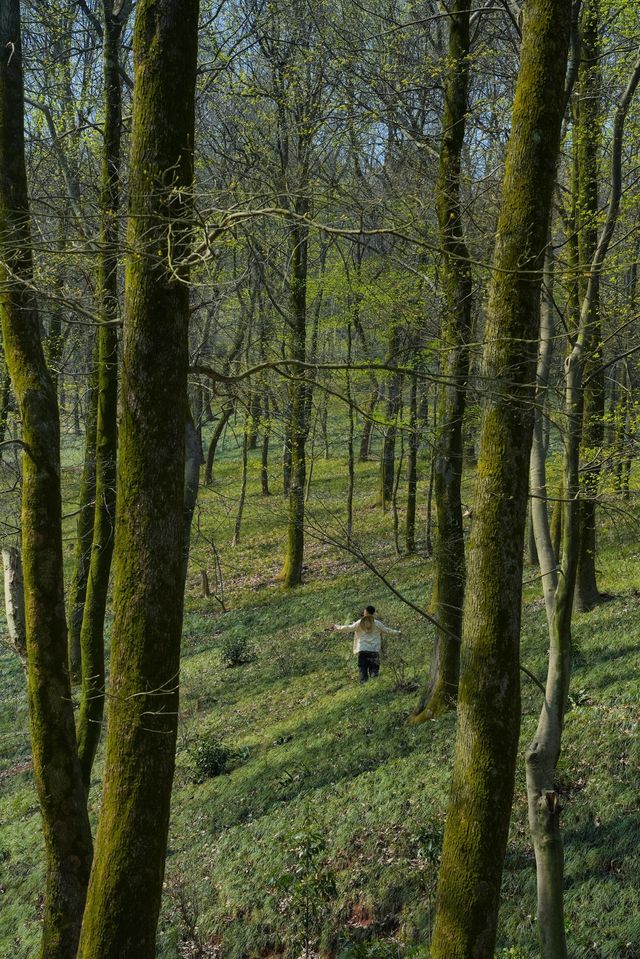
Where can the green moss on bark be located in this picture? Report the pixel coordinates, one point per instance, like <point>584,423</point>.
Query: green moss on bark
<point>489,696</point>
<point>441,692</point>
<point>92,633</point>
<point>56,769</point>
<point>126,881</point>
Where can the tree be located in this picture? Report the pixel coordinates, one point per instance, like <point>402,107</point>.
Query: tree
<point>92,631</point>
<point>57,772</point>
<point>483,774</point>
<point>449,571</point>
<point>126,880</point>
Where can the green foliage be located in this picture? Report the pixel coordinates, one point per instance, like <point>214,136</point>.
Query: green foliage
<point>236,651</point>
<point>307,884</point>
<point>209,758</point>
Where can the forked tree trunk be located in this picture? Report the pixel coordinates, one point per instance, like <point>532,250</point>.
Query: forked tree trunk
<point>441,691</point>
<point>95,606</point>
<point>225,416</point>
<point>67,835</point>
<point>126,881</point>
<point>544,751</point>
<point>484,764</point>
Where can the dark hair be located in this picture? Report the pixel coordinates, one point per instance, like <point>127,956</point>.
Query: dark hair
<point>370,609</point>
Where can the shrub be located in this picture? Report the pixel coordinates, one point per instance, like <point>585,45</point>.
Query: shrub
<point>236,651</point>
<point>209,758</point>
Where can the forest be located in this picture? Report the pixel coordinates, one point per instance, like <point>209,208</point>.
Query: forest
<point>319,514</point>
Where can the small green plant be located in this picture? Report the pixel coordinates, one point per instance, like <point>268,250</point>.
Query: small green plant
<point>308,885</point>
<point>210,758</point>
<point>236,651</point>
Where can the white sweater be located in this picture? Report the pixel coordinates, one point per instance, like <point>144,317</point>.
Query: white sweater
<point>367,642</point>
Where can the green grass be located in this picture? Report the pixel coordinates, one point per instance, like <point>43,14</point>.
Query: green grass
<point>331,802</point>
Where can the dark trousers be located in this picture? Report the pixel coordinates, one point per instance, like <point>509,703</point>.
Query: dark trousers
<point>368,665</point>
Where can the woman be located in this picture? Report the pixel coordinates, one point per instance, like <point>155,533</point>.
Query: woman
<point>367,641</point>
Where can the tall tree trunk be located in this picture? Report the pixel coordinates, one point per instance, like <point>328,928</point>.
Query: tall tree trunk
<point>394,398</point>
<point>92,633</point>
<point>55,762</point>
<point>264,452</point>
<point>441,691</point>
<point>126,881</point>
<point>412,469</point>
<point>246,443</point>
<point>84,534</point>
<point>558,587</point>
<point>484,764</point>
<point>192,463</point>
<point>219,428</point>
<point>367,427</point>
<point>539,519</point>
<point>587,137</point>
<point>298,422</point>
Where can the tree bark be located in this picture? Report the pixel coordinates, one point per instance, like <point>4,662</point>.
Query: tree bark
<point>246,444</point>
<point>483,774</point>
<point>126,881</point>
<point>66,829</point>
<point>225,416</point>
<point>441,692</point>
<point>298,425</point>
<point>95,606</point>
<point>394,398</point>
<point>14,601</point>
<point>5,401</point>
<point>84,535</point>
<point>587,137</point>
<point>192,464</point>
<point>412,469</point>
<point>264,451</point>
<point>365,441</point>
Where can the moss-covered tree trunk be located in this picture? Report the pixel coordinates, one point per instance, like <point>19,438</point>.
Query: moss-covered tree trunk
<point>587,139</point>
<point>441,691</point>
<point>57,772</point>
<point>5,400</point>
<point>483,774</point>
<point>126,881</point>
<point>92,631</point>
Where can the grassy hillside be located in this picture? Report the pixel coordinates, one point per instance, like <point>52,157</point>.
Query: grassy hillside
<point>305,811</point>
